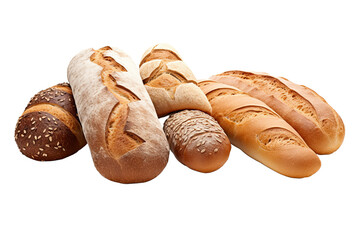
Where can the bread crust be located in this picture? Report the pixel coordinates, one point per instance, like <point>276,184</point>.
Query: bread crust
<point>169,82</point>
<point>197,140</point>
<point>261,133</point>
<point>318,124</point>
<point>49,128</point>
<point>145,150</point>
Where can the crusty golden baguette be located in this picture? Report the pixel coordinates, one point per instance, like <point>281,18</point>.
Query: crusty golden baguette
<point>311,116</point>
<point>169,82</point>
<point>261,133</point>
<point>120,124</point>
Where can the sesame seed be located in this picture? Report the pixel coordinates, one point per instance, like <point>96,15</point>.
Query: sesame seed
<point>202,151</point>
<point>33,142</point>
<point>43,117</point>
<point>48,119</point>
<point>219,140</point>
<point>40,119</point>
<point>25,131</point>
<point>56,147</point>
<point>55,123</point>
<point>50,128</point>
<point>31,119</point>
<point>216,150</point>
<point>32,128</point>
<point>44,154</point>
<point>41,149</point>
<point>53,119</point>
<point>50,139</point>
<point>23,149</point>
<point>44,130</point>
<point>63,149</point>
<point>47,135</point>
<point>22,135</point>
<point>47,145</point>
<point>198,144</point>
<point>37,153</point>
<point>27,144</point>
<point>58,143</point>
<point>35,137</point>
<point>39,136</point>
<point>33,122</point>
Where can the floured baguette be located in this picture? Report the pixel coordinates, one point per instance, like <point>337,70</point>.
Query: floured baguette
<point>119,121</point>
<point>262,134</point>
<point>311,116</point>
<point>169,82</point>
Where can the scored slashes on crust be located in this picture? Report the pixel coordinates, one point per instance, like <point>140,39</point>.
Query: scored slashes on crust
<point>171,84</point>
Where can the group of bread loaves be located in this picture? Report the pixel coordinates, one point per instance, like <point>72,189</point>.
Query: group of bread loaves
<point>114,106</point>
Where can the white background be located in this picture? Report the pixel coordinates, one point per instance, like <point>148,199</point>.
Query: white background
<point>314,43</point>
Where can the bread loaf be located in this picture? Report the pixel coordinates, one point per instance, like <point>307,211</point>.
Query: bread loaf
<point>311,116</point>
<point>262,134</point>
<point>197,140</point>
<point>125,137</point>
<point>49,128</point>
<point>169,82</point>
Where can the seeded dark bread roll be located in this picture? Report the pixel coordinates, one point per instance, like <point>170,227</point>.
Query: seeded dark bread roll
<point>120,124</point>
<point>49,128</point>
<point>197,140</point>
<point>169,82</point>
<point>261,133</point>
<point>311,116</point>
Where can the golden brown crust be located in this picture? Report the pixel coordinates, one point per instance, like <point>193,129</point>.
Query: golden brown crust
<point>170,83</point>
<point>319,125</point>
<point>261,133</point>
<point>49,128</point>
<point>115,134</point>
<point>119,121</point>
<point>197,140</point>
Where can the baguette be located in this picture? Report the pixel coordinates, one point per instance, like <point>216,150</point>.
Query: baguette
<point>197,140</point>
<point>169,82</point>
<point>261,133</point>
<point>119,121</point>
<point>311,116</point>
<point>49,128</point>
